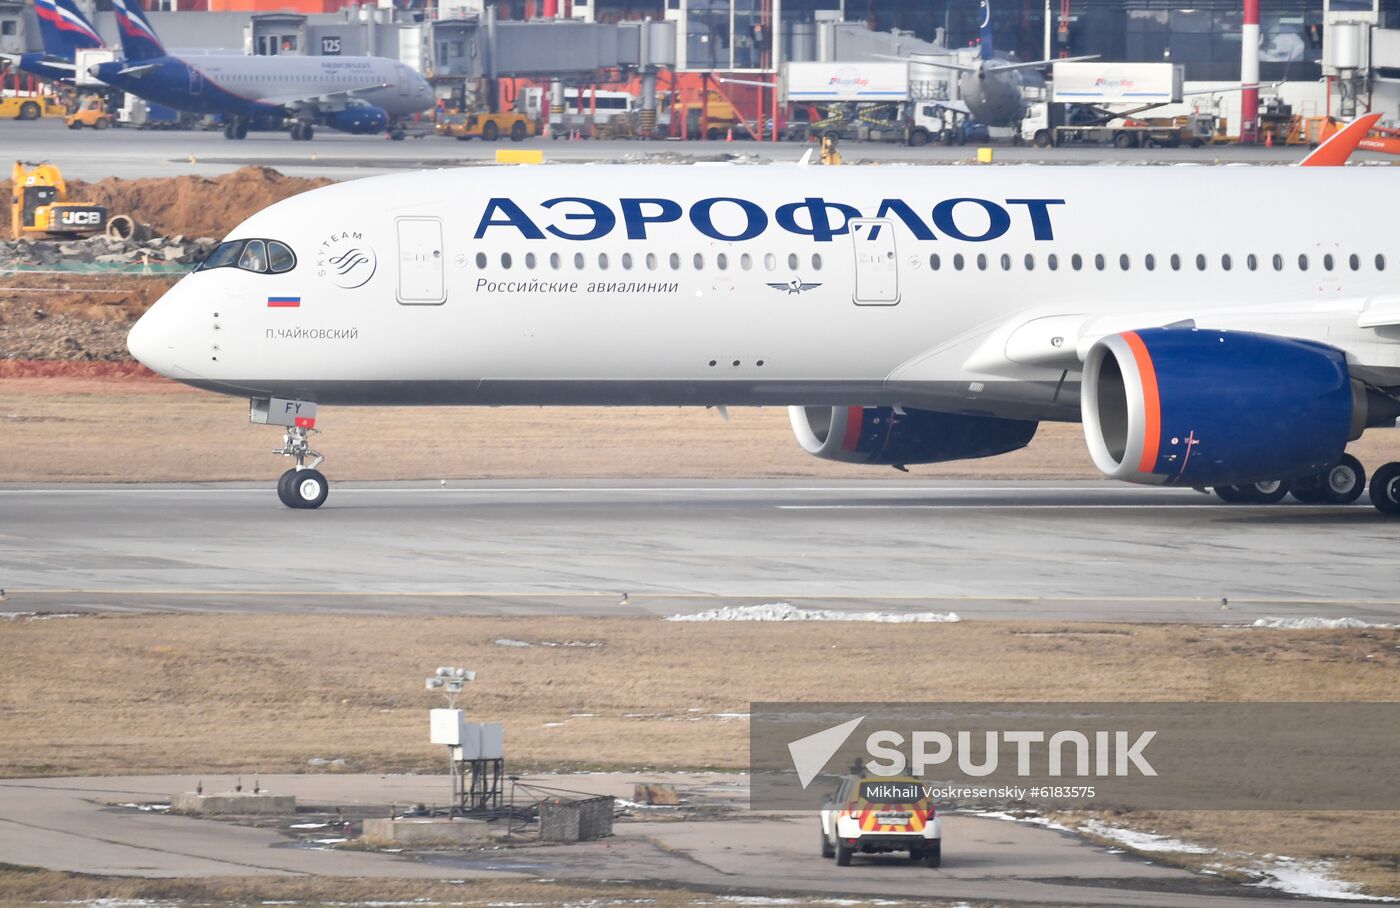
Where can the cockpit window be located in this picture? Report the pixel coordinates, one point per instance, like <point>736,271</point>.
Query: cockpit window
<point>254,257</point>
<point>279,257</point>
<point>225,254</point>
<point>258,256</point>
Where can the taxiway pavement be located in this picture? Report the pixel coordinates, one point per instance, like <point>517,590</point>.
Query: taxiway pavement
<point>985,550</point>
<point>80,825</point>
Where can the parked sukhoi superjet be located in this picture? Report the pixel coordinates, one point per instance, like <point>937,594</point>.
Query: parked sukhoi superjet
<point>65,31</point>
<point>906,316</point>
<point>353,94</point>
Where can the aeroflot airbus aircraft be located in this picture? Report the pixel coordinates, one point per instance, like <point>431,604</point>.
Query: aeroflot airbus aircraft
<point>906,316</point>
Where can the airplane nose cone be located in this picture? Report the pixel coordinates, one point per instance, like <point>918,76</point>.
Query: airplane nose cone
<point>151,343</point>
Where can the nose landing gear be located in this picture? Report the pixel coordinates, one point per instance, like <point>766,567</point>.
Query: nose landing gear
<point>303,486</point>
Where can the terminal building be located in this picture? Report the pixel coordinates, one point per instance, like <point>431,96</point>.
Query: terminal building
<point>583,42</point>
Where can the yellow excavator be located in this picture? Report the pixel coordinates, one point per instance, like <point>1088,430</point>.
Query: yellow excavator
<point>40,205</point>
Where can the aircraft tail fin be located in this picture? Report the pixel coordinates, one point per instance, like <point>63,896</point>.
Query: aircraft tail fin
<point>64,29</point>
<point>985,49</point>
<point>139,40</point>
<point>1339,146</point>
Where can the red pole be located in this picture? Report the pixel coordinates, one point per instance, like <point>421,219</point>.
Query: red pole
<point>1249,73</point>
<point>551,9</point>
<point>704,105</point>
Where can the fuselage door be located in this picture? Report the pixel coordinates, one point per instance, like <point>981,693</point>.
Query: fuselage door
<point>196,81</point>
<point>420,261</point>
<point>877,265</point>
<point>405,81</point>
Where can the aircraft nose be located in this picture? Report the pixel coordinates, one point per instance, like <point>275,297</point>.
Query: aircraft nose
<point>152,340</point>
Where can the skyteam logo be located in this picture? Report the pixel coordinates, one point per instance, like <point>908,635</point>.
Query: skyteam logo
<point>346,260</point>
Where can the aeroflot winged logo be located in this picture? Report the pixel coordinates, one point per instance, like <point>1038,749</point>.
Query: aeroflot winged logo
<point>796,285</point>
<point>728,219</point>
<point>346,260</point>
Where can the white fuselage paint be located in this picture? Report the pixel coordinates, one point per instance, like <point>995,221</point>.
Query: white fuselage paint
<point>292,79</point>
<point>995,340</point>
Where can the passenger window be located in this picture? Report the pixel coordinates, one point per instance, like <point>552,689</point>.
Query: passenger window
<point>722,262</point>
<point>1327,261</point>
<point>279,257</point>
<point>1380,262</point>
<point>578,260</point>
<point>1052,261</point>
<point>1005,262</point>
<point>651,261</point>
<point>770,261</point>
<point>1225,261</point>
<point>1076,261</point>
<point>745,261</point>
<point>675,261</point>
<point>1200,263</point>
<point>1124,262</point>
<point>1355,262</point>
<point>981,262</point>
<point>1030,262</point>
<point>1251,262</point>
<point>816,261</point>
<point>602,261</point>
<point>224,255</point>
<point>1098,261</point>
<point>254,257</point>
<point>1149,262</point>
<point>792,261</point>
<point>699,261</point>
<point>481,260</point>
<point>1176,262</point>
<point>1278,262</point>
<point>933,262</point>
<point>958,262</point>
<point>1303,262</point>
<point>554,260</point>
<point>626,261</point>
<point>530,260</point>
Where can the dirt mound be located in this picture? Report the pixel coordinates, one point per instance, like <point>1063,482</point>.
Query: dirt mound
<point>71,316</point>
<point>91,370</point>
<point>189,205</point>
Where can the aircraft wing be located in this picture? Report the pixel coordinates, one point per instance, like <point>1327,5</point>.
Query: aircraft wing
<point>321,99</point>
<point>998,66</point>
<point>931,60</point>
<point>730,81</point>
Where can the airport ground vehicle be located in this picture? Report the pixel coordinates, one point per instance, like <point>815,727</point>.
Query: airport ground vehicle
<point>1047,124</point>
<point>144,114</point>
<point>488,127</point>
<point>39,205</point>
<point>31,107</point>
<point>851,825</point>
<point>91,112</point>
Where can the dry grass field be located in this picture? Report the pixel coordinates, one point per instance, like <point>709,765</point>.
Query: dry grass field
<point>239,694</point>
<point>132,429</point>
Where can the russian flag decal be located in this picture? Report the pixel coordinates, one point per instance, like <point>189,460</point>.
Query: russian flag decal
<point>283,302</point>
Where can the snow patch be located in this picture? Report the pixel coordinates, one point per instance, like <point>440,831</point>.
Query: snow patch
<point>1312,879</point>
<point>1029,818</point>
<point>1141,841</point>
<point>1313,624</point>
<point>506,641</point>
<point>308,825</point>
<point>782,611</point>
<point>37,616</point>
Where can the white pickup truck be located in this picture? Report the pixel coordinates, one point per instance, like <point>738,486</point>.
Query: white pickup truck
<point>852,822</point>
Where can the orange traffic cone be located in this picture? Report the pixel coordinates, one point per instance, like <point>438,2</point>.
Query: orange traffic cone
<point>729,136</point>
<point>1269,139</point>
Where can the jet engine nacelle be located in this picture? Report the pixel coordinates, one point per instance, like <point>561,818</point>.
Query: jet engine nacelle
<point>1196,407</point>
<point>889,436</point>
<point>359,119</point>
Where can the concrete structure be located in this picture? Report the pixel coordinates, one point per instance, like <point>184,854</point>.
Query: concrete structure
<point>233,804</point>
<point>425,832</point>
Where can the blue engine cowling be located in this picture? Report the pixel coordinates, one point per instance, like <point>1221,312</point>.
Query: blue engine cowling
<point>1196,407</point>
<point>889,436</point>
<point>359,119</point>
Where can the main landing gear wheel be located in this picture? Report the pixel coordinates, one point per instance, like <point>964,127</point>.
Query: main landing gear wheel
<point>1307,489</point>
<point>303,488</point>
<point>1268,492</point>
<point>1385,489</point>
<point>1231,494</point>
<point>1345,482</point>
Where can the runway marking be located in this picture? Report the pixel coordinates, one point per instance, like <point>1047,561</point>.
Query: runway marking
<point>635,597</point>
<point>1027,507</point>
<point>869,490</point>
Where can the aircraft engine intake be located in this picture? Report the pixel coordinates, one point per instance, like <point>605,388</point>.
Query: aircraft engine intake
<point>359,119</point>
<point>1196,407</point>
<point>890,436</point>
